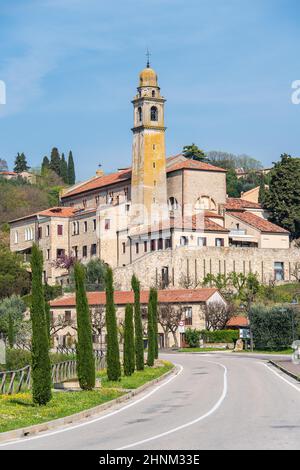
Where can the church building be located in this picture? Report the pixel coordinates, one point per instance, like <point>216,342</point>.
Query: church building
<point>162,218</point>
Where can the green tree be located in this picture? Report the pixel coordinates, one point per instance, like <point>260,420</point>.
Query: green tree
<point>113,354</point>
<point>95,274</point>
<point>84,350</point>
<point>45,165</point>
<point>272,328</point>
<point>138,326</point>
<point>233,184</point>
<point>155,320</point>
<point>71,169</point>
<point>55,162</point>
<point>151,329</point>
<point>48,320</point>
<point>3,165</point>
<point>15,308</point>
<point>64,169</point>
<point>283,197</point>
<point>262,192</point>
<point>21,163</point>
<point>41,367</point>
<point>14,279</point>
<point>129,359</point>
<point>194,153</point>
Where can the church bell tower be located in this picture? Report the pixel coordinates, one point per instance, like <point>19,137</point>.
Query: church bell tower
<point>148,185</point>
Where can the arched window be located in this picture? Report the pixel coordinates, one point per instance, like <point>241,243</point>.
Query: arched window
<point>154,113</point>
<point>140,114</point>
<point>153,93</point>
<point>173,204</point>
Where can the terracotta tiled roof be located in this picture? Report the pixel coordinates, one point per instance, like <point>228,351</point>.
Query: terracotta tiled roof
<point>8,173</point>
<point>125,175</point>
<point>52,212</point>
<point>194,165</point>
<point>237,204</point>
<point>125,297</point>
<point>258,222</point>
<point>213,215</point>
<point>100,182</point>
<point>238,321</point>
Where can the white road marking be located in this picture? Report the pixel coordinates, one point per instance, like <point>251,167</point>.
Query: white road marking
<point>282,378</point>
<point>190,423</point>
<point>100,418</point>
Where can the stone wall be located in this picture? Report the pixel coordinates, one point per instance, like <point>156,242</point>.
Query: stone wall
<point>199,262</point>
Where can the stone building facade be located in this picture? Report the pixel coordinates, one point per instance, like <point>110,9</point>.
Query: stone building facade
<point>191,305</point>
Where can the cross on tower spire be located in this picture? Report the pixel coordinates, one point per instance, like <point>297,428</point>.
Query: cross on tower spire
<point>148,58</point>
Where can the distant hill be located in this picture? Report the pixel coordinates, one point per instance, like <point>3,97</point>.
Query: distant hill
<point>19,198</point>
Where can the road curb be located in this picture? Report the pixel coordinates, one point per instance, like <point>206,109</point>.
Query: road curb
<point>54,424</point>
<point>287,372</point>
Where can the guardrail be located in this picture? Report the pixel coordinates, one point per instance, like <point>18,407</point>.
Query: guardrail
<point>17,381</point>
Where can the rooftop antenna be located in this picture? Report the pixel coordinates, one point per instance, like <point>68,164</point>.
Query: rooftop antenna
<point>148,58</point>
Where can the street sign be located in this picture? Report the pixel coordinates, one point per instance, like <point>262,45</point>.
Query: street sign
<point>181,327</point>
<point>244,333</point>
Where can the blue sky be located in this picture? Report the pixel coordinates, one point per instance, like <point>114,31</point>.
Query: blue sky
<point>71,69</point>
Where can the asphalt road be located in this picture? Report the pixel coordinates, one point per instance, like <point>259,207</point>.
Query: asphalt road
<point>217,401</point>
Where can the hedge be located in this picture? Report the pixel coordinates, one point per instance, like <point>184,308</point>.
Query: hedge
<point>219,336</point>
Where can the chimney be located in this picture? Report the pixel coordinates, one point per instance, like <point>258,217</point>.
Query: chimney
<point>99,173</point>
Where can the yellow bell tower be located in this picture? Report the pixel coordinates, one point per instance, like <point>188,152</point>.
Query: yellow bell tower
<point>148,184</point>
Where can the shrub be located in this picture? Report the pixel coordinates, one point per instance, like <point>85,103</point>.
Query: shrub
<point>192,338</point>
<point>272,328</point>
<point>219,336</point>
<point>19,358</point>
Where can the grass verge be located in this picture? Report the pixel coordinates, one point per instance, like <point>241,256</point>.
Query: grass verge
<point>139,378</point>
<point>18,411</point>
<point>191,350</point>
<point>260,351</point>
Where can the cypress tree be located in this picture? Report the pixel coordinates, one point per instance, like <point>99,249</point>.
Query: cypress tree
<point>129,360</point>
<point>84,350</point>
<point>48,321</point>
<point>112,347</point>
<point>21,163</point>
<point>55,161</point>
<point>45,165</point>
<point>262,192</point>
<point>151,332</point>
<point>71,169</point>
<point>138,326</point>
<point>64,169</point>
<point>41,367</point>
<point>155,320</point>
